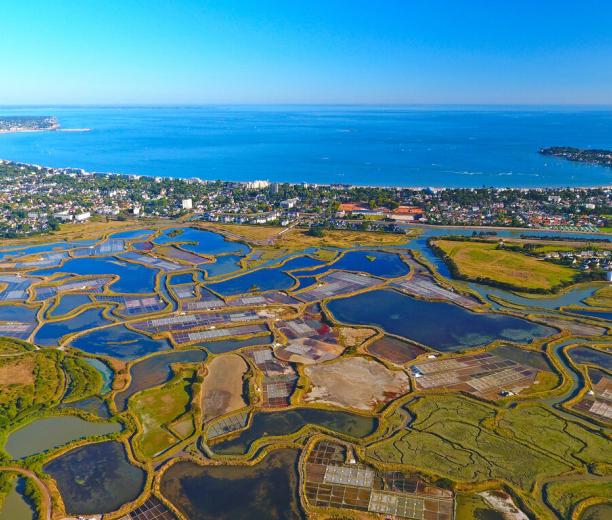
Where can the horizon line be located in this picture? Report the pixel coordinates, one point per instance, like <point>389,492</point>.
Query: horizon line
<point>305,104</point>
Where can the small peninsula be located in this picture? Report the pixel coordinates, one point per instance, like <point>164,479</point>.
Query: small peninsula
<point>14,124</point>
<point>599,157</point>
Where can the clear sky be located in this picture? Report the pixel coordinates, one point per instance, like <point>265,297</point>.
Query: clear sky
<point>305,51</point>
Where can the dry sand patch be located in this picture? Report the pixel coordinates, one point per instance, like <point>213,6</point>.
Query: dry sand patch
<point>355,382</point>
<point>354,336</point>
<point>222,386</point>
<point>18,372</point>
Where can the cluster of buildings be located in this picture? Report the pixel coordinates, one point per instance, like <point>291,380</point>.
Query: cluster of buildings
<point>540,208</point>
<point>586,259</point>
<point>400,213</point>
<point>35,199</point>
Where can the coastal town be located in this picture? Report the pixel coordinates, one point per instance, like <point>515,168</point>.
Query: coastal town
<point>36,199</point>
<point>15,124</point>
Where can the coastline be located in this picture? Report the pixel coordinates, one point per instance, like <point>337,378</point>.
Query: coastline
<point>314,184</point>
<point>53,128</point>
<point>56,128</point>
<point>412,225</point>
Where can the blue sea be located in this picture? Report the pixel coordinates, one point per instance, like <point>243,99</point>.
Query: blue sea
<point>395,146</point>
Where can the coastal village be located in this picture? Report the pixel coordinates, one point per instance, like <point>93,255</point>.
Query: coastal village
<point>35,199</point>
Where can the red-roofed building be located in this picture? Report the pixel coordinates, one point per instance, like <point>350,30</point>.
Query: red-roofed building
<point>406,213</point>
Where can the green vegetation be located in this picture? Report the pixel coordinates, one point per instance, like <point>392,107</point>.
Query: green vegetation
<point>33,496</point>
<point>7,480</point>
<point>602,298</point>
<point>83,379</point>
<point>158,408</point>
<point>14,346</point>
<point>29,382</point>
<point>564,495</point>
<point>486,263</point>
<point>175,233</point>
<point>469,441</point>
<point>316,231</point>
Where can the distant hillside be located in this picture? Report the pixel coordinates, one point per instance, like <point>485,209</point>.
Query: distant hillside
<point>600,157</point>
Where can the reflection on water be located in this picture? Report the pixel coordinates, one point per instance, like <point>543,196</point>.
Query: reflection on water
<point>15,505</point>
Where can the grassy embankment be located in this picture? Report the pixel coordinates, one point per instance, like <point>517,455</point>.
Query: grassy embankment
<point>94,229</point>
<point>602,298</point>
<point>482,261</point>
<point>296,238</point>
<point>270,243</point>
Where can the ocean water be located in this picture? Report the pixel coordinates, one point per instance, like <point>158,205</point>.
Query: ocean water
<point>426,146</point>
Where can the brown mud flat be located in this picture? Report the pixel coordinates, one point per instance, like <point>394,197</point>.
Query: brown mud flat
<point>395,350</point>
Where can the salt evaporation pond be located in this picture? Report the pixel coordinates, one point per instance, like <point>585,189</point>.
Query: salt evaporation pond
<point>421,321</point>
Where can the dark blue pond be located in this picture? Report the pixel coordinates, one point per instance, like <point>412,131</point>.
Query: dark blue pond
<point>204,242</point>
<point>182,278</point>
<point>260,280</point>
<point>440,325</point>
<point>50,333</point>
<point>591,356</point>
<point>68,303</point>
<point>96,478</point>
<point>265,279</point>
<point>300,262</point>
<point>134,278</point>
<point>17,313</point>
<point>376,263</point>
<point>119,342</point>
<point>603,315</point>
<point>306,281</point>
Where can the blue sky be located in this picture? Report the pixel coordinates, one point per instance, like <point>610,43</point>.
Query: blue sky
<point>307,51</point>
